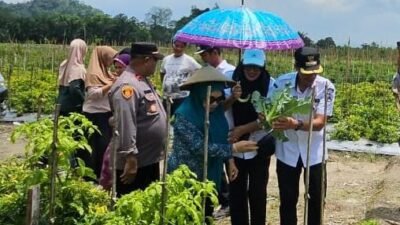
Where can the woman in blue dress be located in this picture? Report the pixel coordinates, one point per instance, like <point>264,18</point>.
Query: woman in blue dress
<point>188,142</point>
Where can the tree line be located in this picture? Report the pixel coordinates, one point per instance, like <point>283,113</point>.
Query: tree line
<point>56,26</point>
<point>59,22</point>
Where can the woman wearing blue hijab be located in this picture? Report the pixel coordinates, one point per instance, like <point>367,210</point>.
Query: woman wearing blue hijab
<point>188,142</point>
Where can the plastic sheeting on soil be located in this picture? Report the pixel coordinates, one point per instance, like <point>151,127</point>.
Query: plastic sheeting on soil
<point>361,145</point>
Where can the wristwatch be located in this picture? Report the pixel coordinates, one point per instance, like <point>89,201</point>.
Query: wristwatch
<point>299,125</point>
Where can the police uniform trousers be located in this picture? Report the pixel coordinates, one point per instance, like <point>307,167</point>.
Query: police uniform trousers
<point>288,181</point>
<point>144,177</point>
<point>249,189</point>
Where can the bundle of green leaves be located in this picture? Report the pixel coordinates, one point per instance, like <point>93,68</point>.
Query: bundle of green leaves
<point>280,104</point>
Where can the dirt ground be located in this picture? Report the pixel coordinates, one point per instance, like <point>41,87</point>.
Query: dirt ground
<point>360,186</point>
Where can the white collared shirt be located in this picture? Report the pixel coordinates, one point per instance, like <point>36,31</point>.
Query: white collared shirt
<point>288,152</point>
<point>225,68</point>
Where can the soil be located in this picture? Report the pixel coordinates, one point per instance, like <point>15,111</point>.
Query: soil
<point>360,186</point>
<point>8,149</point>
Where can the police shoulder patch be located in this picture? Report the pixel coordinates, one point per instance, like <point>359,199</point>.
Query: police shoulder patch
<point>127,91</point>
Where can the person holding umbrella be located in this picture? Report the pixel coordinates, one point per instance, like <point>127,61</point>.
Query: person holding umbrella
<point>188,143</point>
<point>292,154</point>
<point>250,187</point>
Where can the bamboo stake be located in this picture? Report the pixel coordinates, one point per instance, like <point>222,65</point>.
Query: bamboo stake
<point>206,126</point>
<point>307,175</point>
<point>53,168</point>
<point>323,162</point>
<point>114,157</point>
<point>165,165</point>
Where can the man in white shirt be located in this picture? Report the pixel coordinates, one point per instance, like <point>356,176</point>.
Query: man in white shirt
<point>175,69</point>
<point>292,154</point>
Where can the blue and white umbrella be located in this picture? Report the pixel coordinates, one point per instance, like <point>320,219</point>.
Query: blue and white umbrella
<point>240,28</point>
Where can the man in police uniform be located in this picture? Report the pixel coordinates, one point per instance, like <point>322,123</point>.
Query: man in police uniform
<point>141,121</point>
<point>292,155</point>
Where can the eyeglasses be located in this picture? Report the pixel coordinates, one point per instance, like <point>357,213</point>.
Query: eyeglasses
<point>218,100</point>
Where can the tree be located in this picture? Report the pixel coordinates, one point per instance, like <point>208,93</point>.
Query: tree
<point>194,12</point>
<point>326,43</point>
<point>158,20</point>
<point>307,41</point>
<point>159,16</point>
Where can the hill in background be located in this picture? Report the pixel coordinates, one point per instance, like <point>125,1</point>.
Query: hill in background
<point>37,7</point>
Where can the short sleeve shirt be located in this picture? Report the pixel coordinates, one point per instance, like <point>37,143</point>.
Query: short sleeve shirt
<point>177,70</point>
<point>289,152</point>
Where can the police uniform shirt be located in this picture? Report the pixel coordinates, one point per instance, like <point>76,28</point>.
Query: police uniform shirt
<point>141,119</point>
<point>288,152</point>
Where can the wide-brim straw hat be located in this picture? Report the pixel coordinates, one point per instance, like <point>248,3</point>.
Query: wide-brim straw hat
<point>204,75</point>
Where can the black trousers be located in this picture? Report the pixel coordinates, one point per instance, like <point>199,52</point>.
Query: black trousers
<point>249,189</point>
<point>288,181</point>
<point>98,142</point>
<point>144,177</point>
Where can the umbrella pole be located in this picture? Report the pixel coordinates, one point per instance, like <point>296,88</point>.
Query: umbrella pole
<point>307,175</point>
<point>165,163</point>
<point>206,126</point>
<point>323,162</point>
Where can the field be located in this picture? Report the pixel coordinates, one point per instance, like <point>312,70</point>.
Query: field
<point>362,188</point>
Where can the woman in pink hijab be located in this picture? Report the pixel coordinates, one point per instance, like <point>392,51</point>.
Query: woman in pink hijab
<point>96,106</point>
<point>71,79</point>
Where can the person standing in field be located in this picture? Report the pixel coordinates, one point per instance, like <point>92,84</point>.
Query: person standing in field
<point>175,69</point>
<point>292,154</point>
<point>188,143</point>
<point>96,106</point>
<point>396,80</point>
<point>212,56</point>
<point>71,79</point>
<point>121,61</point>
<point>249,189</point>
<point>141,121</point>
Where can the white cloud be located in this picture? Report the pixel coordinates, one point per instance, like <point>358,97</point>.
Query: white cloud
<point>333,5</point>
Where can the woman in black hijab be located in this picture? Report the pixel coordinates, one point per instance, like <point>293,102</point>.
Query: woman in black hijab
<point>249,188</point>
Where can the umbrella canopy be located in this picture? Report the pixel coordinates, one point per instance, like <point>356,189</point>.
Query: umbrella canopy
<point>240,28</point>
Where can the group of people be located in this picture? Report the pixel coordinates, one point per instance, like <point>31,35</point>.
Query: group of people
<point>237,142</point>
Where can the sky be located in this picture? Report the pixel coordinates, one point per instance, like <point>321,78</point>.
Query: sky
<point>361,21</point>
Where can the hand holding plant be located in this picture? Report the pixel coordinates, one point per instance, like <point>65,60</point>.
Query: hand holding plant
<point>279,109</point>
